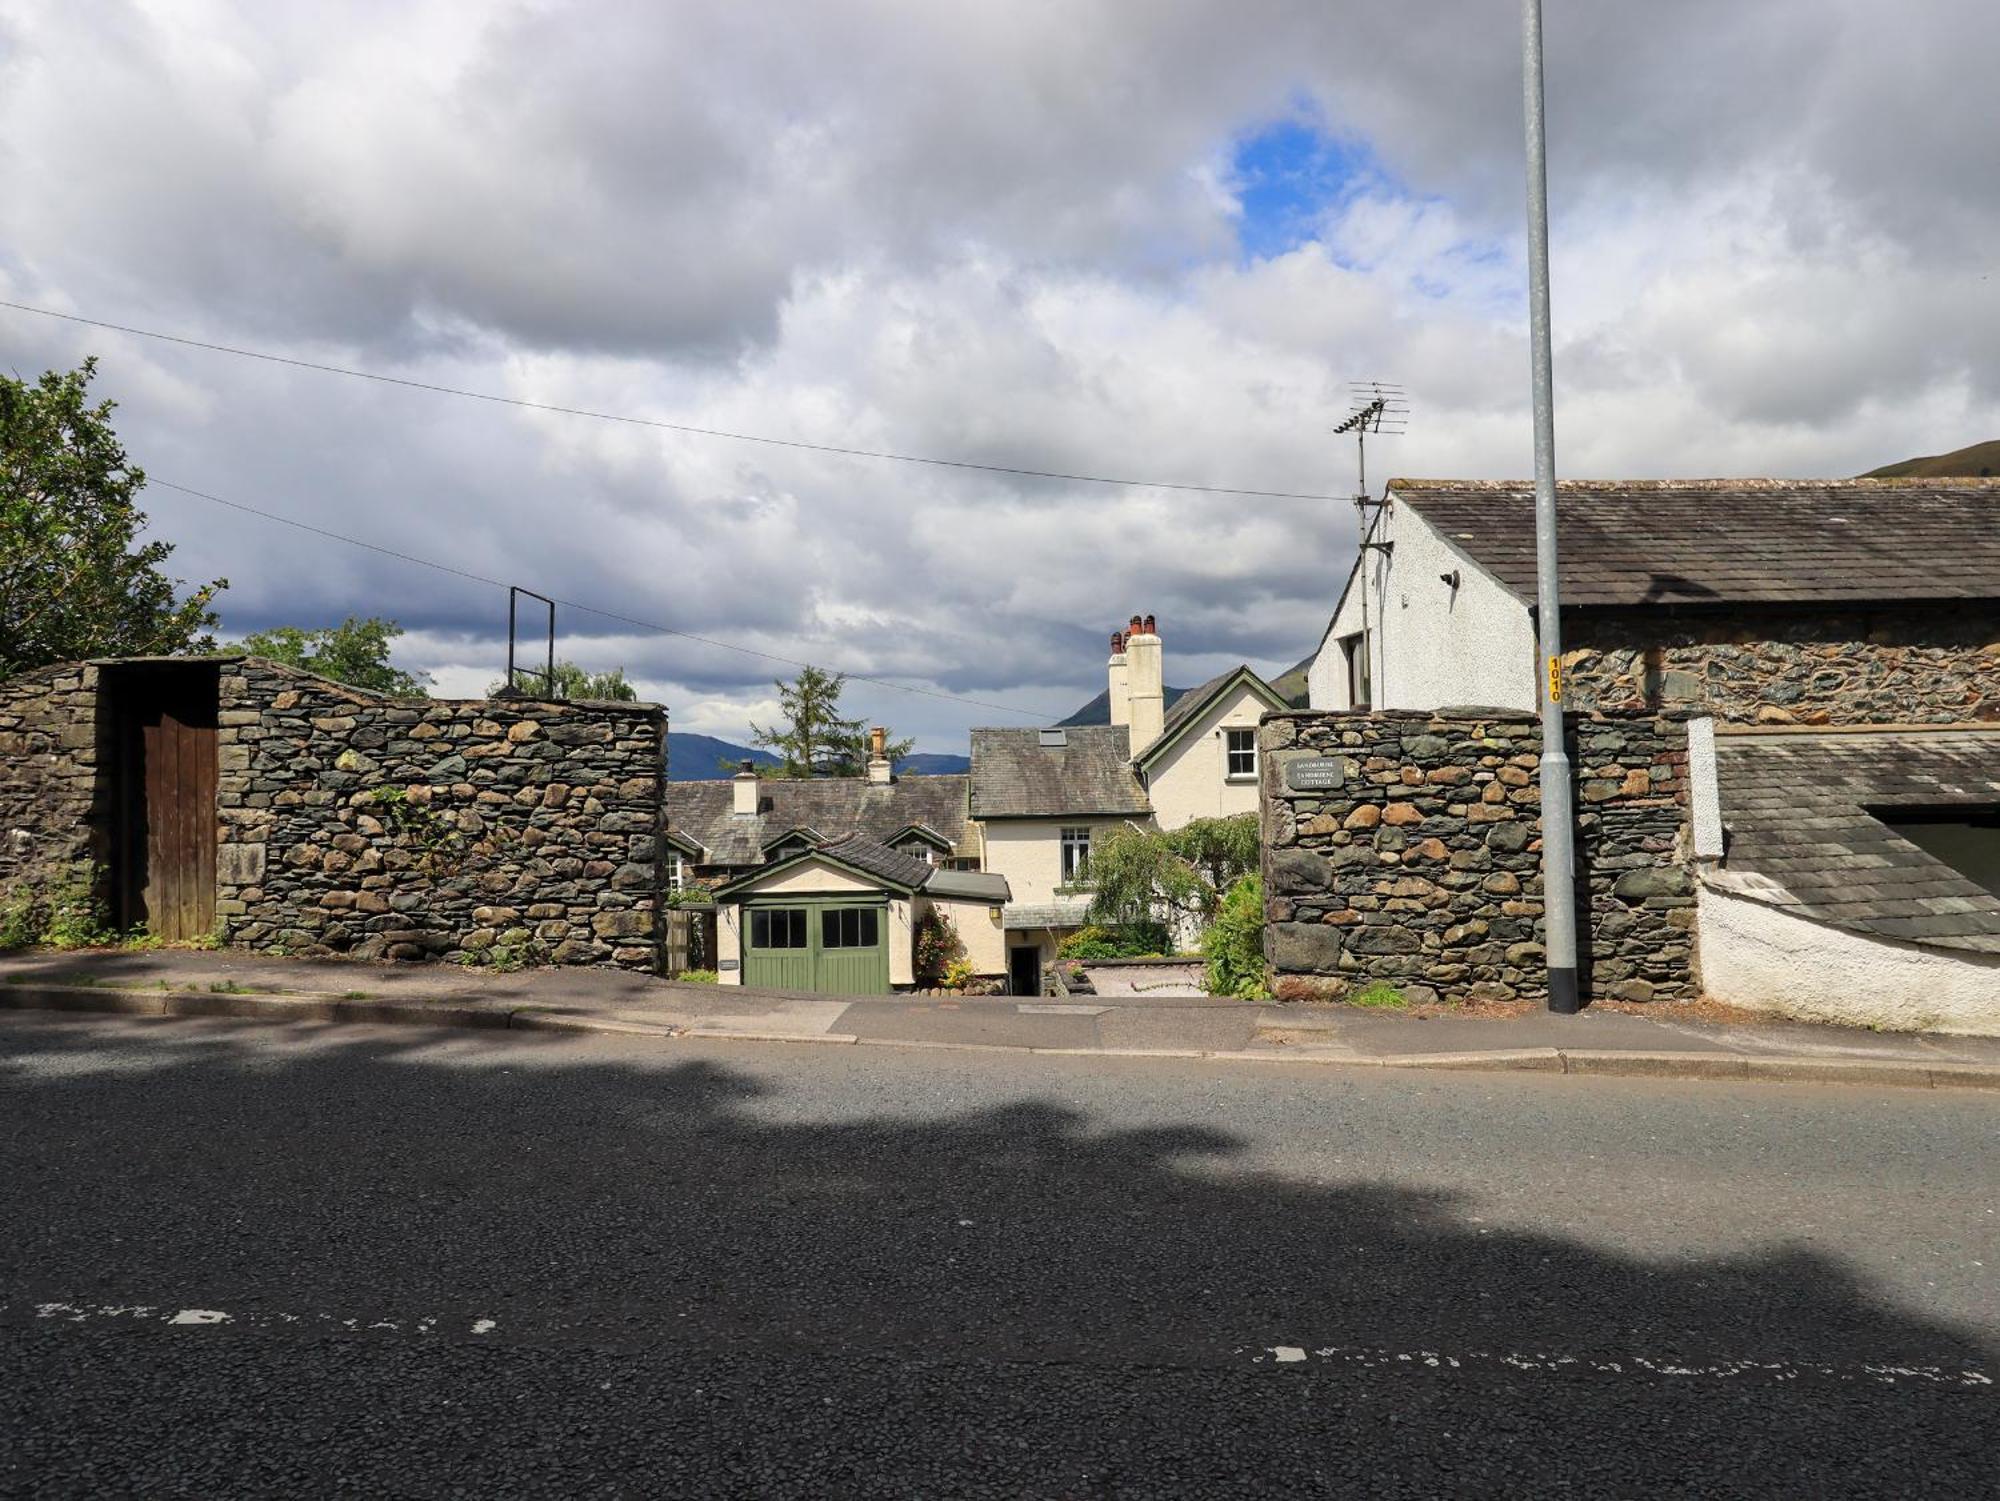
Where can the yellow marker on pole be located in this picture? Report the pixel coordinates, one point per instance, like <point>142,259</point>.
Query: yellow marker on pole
<point>1555,680</point>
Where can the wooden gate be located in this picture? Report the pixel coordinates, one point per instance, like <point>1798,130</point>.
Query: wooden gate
<point>163,871</point>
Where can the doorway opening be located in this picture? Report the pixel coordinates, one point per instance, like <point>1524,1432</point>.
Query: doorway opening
<point>1024,971</point>
<point>163,833</point>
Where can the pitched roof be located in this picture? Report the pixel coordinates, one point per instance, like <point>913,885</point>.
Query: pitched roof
<point>877,859</point>
<point>1014,775</point>
<point>1762,541</point>
<point>1197,701</point>
<point>833,806</point>
<point>1795,807</point>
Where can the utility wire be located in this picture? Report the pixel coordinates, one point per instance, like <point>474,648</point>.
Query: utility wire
<point>672,427</point>
<point>570,604</point>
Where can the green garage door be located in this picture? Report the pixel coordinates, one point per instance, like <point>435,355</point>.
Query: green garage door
<point>834,946</point>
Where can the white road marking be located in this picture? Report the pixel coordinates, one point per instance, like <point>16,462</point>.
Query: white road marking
<point>1372,1357</point>
<point>1059,1008</point>
<point>485,1326</point>
<point>145,1313</point>
<point>199,1316</point>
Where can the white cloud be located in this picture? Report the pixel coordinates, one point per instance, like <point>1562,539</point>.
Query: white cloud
<point>1005,233</point>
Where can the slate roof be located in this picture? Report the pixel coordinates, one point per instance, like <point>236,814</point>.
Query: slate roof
<point>1761,541</point>
<point>1015,776</point>
<point>892,866</point>
<point>1064,912</point>
<point>975,885</point>
<point>833,806</point>
<point>1799,834</point>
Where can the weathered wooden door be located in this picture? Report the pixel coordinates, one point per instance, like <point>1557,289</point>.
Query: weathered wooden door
<point>165,871</point>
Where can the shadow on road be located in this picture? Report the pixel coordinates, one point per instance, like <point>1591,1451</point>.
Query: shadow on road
<point>922,1301</point>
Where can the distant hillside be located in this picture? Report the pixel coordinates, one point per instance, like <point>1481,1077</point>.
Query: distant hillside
<point>1291,684</point>
<point>701,758</point>
<point>1978,461</point>
<point>696,758</point>
<point>1098,710</point>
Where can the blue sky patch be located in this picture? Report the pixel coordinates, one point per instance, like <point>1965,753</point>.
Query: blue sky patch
<point>1289,175</point>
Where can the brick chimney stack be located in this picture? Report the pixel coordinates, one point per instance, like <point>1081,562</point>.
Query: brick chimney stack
<point>880,769</point>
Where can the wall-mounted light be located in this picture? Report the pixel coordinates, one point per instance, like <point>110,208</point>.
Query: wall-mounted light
<point>1450,579</point>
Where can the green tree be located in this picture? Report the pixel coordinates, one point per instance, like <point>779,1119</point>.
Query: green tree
<point>355,652</point>
<point>814,740</point>
<point>573,682</point>
<point>75,581</point>
<point>1224,850</point>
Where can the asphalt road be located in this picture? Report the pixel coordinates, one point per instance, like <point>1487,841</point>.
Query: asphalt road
<point>254,1260</point>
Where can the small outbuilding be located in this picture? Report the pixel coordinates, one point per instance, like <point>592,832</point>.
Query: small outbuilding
<point>842,918</point>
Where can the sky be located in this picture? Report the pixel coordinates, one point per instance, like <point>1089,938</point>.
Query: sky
<point>1157,242</point>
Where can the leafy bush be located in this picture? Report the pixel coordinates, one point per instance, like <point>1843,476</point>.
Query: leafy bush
<point>1234,944</point>
<point>1140,940</point>
<point>74,916</point>
<point>938,947</point>
<point>20,922</point>
<point>958,974</point>
<point>699,977</point>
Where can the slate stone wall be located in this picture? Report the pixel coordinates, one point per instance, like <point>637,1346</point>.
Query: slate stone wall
<point>1421,864</point>
<point>54,806</point>
<point>436,829</point>
<point>1909,665</point>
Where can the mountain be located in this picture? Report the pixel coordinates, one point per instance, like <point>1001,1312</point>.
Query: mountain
<point>697,758</point>
<point>701,758</point>
<point>1291,684</point>
<point>1098,710</point>
<point>1976,462</point>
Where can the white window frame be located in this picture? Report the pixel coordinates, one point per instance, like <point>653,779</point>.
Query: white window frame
<point>1230,753</point>
<point>1075,846</point>
<point>1357,651</point>
<point>676,871</point>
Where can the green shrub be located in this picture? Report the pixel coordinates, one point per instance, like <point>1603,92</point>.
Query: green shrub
<point>699,977</point>
<point>938,947</point>
<point>1234,944</point>
<point>958,974</point>
<point>1142,940</point>
<point>74,916</point>
<point>20,922</point>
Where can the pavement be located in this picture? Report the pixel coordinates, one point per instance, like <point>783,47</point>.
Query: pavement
<point>246,1259</point>
<point>1143,1021</point>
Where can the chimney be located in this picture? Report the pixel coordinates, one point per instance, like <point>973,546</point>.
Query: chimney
<point>880,771</point>
<point>1144,671</point>
<point>744,789</point>
<point>1121,687</point>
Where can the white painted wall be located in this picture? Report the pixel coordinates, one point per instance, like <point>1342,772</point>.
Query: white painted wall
<point>1190,780</point>
<point>978,925</point>
<point>1763,958</point>
<point>1433,646</point>
<point>1028,851</point>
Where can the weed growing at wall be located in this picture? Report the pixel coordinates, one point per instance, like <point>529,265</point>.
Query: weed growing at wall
<point>1234,944</point>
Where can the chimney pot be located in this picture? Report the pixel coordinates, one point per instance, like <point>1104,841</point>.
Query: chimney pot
<point>880,771</point>
<point>745,790</point>
<point>1151,628</point>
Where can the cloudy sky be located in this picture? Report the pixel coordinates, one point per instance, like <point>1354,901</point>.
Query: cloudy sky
<point>1153,240</point>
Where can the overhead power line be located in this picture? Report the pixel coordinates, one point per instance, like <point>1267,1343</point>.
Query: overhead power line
<point>571,604</point>
<point>654,422</point>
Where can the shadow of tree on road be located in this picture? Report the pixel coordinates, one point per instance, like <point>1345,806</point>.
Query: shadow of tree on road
<point>1025,1299</point>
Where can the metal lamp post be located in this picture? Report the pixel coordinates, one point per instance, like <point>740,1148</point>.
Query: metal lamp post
<point>1558,812</point>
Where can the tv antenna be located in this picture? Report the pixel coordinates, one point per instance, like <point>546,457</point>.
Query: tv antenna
<point>1378,408</point>
<point>1382,409</point>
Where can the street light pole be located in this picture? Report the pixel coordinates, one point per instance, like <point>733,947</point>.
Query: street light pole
<point>1558,814</point>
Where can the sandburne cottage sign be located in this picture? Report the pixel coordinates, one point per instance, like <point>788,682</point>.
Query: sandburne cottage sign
<point>1316,774</point>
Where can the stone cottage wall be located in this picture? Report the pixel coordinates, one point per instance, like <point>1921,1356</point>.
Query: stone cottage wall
<point>430,829</point>
<point>1415,856</point>
<point>54,816</point>
<point>1912,665</point>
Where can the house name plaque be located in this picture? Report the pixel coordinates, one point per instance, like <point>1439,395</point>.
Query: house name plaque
<point>1319,774</point>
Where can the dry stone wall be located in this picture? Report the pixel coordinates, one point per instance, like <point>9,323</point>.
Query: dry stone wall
<point>487,830</point>
<point>1405,848</point>
<point>1914,665</point>
<point>53,808</point>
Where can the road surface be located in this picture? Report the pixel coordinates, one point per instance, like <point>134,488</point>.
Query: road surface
<point>246,1259</point>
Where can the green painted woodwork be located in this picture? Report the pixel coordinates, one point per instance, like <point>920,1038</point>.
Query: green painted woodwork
<point>830,945</point>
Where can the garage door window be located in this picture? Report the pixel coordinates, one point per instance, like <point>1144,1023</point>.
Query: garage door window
<point>784,928</point>
<point>849,928</point>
